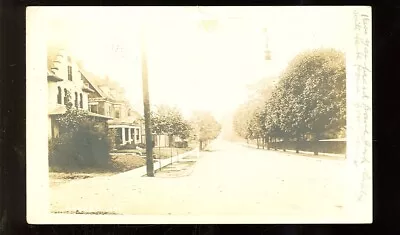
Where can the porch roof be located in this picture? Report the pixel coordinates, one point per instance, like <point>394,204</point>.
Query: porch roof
<point>62,109</point>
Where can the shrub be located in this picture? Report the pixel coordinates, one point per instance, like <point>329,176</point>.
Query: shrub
<point>112,135</point>
<point>141,145</point>
<point>83,148</point>
<point>181,144</point>
<point>87,144</point>
<point>127,146</point>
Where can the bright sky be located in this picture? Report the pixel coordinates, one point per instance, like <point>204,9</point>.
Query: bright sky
<point>187,66</point>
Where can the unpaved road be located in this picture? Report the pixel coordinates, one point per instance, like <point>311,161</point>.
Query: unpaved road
<point>229,180</point>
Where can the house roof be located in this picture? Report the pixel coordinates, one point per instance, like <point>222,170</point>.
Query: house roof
<point>91,78</point>
<point>52,77</point>
<point>54,51</point>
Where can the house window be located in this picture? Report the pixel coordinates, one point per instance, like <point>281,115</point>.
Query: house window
<point>69,73</point>
<point>118,139</point>
<point>93,108</point>
<point>59,96</point>
<point>132,133</point>
<point>66,96</point>
<point>76,99</point>
<point>117,113</point>
<point>137,134</point>
<point>81,101</point>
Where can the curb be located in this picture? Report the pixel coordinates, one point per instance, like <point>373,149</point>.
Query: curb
<point>141,171</point>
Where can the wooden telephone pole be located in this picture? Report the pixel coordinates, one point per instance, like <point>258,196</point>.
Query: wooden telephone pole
<point>146,105</point>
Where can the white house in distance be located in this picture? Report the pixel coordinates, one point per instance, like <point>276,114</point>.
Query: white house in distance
<point>63,78</point>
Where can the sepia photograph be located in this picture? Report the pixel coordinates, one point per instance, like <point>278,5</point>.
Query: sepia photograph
<point>199,114</point>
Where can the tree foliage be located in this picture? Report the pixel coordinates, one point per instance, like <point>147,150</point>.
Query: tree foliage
<point>313,93</point>
<point>205,126</point>
<point>249,118</point>
<point>169,121</point>
<point>309,100</point>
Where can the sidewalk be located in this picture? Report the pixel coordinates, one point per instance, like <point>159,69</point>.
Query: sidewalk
<point>300,152</point>
<point>141,171</point>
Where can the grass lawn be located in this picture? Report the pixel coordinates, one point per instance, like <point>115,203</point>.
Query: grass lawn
<point>119,163</point>
<point>167,152</point>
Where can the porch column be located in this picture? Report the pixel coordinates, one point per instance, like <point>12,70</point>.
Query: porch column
<point>123,135</point>
<point>133,136</point>
<point>129,135</point>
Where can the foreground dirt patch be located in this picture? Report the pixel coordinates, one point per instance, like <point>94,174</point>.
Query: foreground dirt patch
<point>119,164</point>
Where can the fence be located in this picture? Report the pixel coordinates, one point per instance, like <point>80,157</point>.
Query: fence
<point>335,147</point>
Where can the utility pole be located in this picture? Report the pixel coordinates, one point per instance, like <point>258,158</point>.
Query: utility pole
<point>146,105</point>
<point>267,51</point>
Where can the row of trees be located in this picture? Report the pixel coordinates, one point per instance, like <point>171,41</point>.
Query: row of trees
<point>167,120</point>
<point>308,102</point>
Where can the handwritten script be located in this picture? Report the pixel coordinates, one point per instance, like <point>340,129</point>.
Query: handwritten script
<point>362,76</point>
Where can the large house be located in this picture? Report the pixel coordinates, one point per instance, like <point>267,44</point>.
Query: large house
<point>104,99</point>
<point>65,85</point>
<point>108,99</point>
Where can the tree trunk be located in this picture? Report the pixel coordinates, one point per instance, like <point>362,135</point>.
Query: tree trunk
<point>200,145</point>
<point>159,150</point>
<point>268,142</point>
<point>177,154</point>
<point>275,143</point>
<point>263,142</point>
<point>316,144</point>
<point>257,144</point>
<point>297,144</point>
<point>284,144</point>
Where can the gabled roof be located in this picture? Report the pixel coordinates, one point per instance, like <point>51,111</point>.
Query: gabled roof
<point>91,78</point>
<point>96,82</point>
<point>55,52</point>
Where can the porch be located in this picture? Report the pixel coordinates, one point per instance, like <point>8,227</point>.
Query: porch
<point>126,134</point>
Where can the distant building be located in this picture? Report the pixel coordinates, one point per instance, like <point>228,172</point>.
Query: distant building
<point>65,85</point>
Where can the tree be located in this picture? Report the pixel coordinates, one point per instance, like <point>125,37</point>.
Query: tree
<point>241,121</point>
<point>206,127</point>
<point>169,121</point>
<point>311,95</point>
<point>249,118</point>
<point>273,116</point>
<point>183,129</point>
